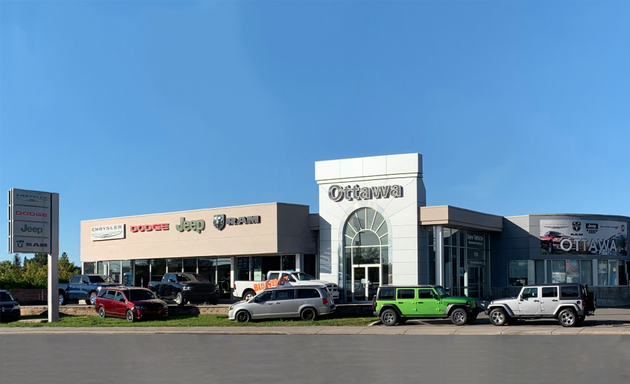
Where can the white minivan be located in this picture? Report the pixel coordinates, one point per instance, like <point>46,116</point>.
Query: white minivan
<point>304,301</point>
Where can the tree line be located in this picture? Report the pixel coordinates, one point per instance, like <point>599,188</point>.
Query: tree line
<point>33,273</point>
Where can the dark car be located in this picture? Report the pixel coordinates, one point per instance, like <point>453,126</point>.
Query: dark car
<point>185,287</point>
<point>130,303</point>
<point>9,308</point>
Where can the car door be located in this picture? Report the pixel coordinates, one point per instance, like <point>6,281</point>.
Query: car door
<point>406,301</point>
<point>108,302</point>
<point>529,302</point>
<point>72,286</point>
<point>285,304</point>
<point>119,305</point>
<point>261,306</point>
<point>428,303</point>
<point>549,300</point>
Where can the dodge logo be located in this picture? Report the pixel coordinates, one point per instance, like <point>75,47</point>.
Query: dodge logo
<point>219,221</point>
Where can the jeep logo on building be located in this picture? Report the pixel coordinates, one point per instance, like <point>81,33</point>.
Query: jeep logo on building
<point>192,225</point>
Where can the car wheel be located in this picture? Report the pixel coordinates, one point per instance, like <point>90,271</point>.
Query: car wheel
<point>92,299</point>
<point>101,312</point>
<point>567,318</point>
<point>63,300</point>
<point>130,317</point>
<point>243,317</point>
<point>389,317</point>
<point>498,316</point>
<point>179,299</point>
<point>459,316</point>
<point>248,295</point>
<point>308,314</point>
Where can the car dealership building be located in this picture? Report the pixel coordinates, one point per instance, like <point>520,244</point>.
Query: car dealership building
<point>373,228</point>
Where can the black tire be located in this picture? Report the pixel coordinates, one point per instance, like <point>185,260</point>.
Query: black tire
<point>179,299</point>
<point>567,318</point>
<point>459,316</point>
<point>580,320</point>
<point>63,300</point>
<point>308,314</point>
<point>130,316</point>
<point>389,317</point>
<point>101,312</point>
<point>91,298</point>
<point>498,317</point>
<point>248,295</point>
<point>243,317</point>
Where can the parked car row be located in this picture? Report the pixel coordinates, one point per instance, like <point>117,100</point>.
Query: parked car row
<point>569,304</point>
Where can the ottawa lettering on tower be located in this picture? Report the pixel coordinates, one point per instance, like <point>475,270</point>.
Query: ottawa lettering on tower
<point>338,193</point>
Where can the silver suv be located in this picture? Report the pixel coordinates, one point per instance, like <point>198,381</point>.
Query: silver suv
<point>304,301</point>
<point>568,303</point>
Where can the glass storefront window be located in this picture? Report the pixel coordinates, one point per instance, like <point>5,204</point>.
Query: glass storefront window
<point>158,269</point>
<point>586,272</point>
<point>613,276</point>
<point>174,265</point>
<point>288,263</point>
<point>142,273</point>
<point>602,272</point>
<point>114,270</point>
<point>88,267</point>
<point>517,272</point>
<point>126,273</point>
<point>190,265</point>
<point>242,268</point>
<point>206,268</point>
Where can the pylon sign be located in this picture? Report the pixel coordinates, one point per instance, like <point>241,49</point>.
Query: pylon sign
<point>33,221</point>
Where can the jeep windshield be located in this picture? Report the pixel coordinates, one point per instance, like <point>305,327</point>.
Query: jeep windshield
<point>441,291</point>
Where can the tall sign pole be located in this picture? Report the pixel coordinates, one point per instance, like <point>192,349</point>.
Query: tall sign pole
<point>34,228</point>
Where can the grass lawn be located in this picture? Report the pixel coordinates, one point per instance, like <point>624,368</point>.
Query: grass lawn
<point>186,321</point>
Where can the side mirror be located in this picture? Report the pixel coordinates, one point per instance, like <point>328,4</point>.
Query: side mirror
<point>520,297</point>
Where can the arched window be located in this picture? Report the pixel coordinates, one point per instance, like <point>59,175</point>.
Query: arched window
<point>366,237</point>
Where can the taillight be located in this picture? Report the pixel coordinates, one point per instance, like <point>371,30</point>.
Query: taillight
<point>583,303</point>
<point>235,286</point>
<point>325,301</point>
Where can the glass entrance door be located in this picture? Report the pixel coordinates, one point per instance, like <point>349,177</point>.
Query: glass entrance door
<point>365,282</point>
<point>475,281</point>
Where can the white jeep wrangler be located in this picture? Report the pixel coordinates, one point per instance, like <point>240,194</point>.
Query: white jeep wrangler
<point>568,303</point>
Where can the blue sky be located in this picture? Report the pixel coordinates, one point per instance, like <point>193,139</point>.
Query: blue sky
<point>137,107</point>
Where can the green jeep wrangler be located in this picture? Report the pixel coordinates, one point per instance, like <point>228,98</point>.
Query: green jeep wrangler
<point>396,305</point>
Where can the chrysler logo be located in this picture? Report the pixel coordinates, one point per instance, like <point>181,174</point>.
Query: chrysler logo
<point>106,235</point>
<point>219,221</point>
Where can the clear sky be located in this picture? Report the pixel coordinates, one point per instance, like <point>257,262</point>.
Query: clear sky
<point>137,107</point>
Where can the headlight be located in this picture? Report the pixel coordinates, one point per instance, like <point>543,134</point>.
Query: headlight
<point>231,307</point>
<point>165,306</point>
<point>187,288</point>
<point>141,307</point>
<point>16,306</point>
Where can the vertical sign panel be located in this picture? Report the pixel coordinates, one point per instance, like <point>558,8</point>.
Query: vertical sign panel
<point>30,221</point>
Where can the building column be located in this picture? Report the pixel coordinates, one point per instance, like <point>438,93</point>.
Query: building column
<point>439,255</point>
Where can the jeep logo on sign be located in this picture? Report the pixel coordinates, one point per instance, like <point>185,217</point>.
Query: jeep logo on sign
<point>219,221</point>
<point>192,225</point>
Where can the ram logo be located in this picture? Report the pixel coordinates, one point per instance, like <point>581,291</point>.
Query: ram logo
<point>219,221</point>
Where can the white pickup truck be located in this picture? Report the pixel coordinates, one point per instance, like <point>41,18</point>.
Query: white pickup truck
<point>248,289</point>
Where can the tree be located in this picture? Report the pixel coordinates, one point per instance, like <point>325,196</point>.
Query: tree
<point>17,261</point>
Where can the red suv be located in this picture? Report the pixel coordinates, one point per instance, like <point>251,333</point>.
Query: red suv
<point>130,303</point>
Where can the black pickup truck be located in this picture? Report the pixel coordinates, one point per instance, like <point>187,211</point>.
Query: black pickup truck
<point>83,287</point>
<point>185,287</point>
